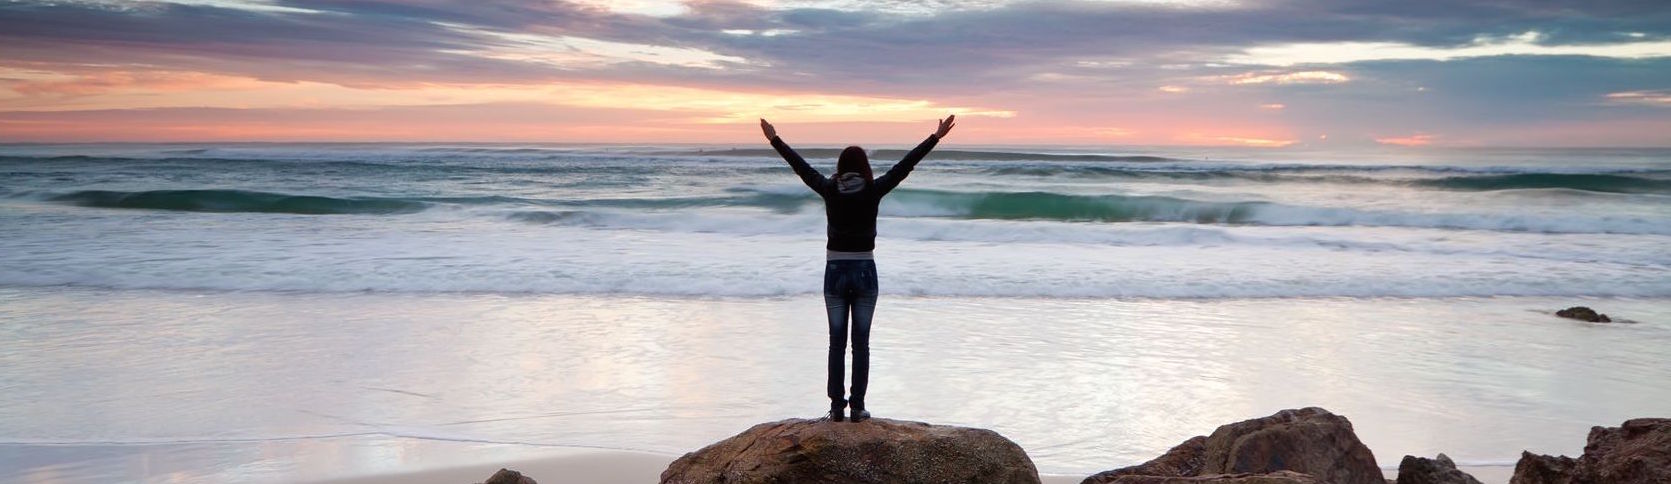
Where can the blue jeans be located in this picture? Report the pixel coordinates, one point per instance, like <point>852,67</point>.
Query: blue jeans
<point>849,288</point>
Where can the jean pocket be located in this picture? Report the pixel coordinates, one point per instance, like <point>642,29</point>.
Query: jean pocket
<point>832,280</point>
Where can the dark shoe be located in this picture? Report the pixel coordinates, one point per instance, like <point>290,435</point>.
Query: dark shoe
<point>860,415</point>
<point>835,412</point>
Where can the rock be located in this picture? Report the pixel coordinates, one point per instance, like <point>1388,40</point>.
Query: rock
<point>1636,452</point>
<point>1542,469</point>
<point>1438,470</point>
<point>507,476</point>
<point>1582,313</point>
<point>874,451</point>
<point>1309,441</point>
<point>1182,460</point>
<point>1278,477</point>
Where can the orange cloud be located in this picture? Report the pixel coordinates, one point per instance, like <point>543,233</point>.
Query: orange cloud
<point>1412,140</point>
<point>46,91</point>
<point>37,83</point>
<point>1250,141</point>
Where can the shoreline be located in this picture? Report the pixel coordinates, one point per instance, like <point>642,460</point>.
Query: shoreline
<point>592,466</point>
<point>596,466</point>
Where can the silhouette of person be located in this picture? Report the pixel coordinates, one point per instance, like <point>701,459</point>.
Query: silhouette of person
<point>851,197</point>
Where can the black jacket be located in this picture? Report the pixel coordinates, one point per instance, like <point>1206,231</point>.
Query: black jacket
<point>852,216</point>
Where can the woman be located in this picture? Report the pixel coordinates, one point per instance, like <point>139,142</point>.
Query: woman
<point>851,197</point>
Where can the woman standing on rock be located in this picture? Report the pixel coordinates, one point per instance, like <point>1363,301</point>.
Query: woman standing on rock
<point>851,197</point>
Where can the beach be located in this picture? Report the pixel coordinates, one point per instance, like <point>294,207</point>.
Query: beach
<point>283,387</point>
<point>318,312</point>
<point>600,467</point>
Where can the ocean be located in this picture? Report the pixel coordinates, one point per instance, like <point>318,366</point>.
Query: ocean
<point>291,312</point>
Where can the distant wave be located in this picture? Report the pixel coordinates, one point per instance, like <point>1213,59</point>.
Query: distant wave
<point>573,168</point>
<point>238,201</point>
<point>1122,208</point>
<point>591,164</point>
<point>307,164</point>
<point>890,154</point>
<point>1572,181</point>
<point>1060,207</point>
<point>1479,179</point>
<point>1072,208</point>
<point>905,203</point>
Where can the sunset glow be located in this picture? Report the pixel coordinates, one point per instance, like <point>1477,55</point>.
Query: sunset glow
<point>1412,140</point>
<point>827,71</point>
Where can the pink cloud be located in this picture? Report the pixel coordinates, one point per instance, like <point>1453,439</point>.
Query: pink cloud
<point>1411,140</point>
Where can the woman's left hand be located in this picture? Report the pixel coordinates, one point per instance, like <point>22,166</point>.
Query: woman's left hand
<point>767,128</point>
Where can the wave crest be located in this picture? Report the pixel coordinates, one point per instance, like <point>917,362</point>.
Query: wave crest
<point>239,201</point>
<point>1589,182</point>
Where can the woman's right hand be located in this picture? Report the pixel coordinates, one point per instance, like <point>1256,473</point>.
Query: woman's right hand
<point>945,126</point>
<point>767,128</point>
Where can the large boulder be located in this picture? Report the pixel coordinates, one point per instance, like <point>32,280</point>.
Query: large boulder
<point>1438,470</point>
<point>1183,459</point>
<point>874,451</point>
<point>1639,451</point>
<point>1309,441</point>
<point>1278,477</point>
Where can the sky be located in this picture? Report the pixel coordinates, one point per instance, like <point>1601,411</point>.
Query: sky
<point>1409,74</point>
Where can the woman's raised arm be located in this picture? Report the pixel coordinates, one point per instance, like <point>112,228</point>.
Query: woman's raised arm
<point>897,174</point>
<point>809,175</point>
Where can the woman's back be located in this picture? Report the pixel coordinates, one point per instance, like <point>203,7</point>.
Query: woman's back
<point>850,201</point>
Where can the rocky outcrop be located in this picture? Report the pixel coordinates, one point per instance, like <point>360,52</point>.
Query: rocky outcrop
<point>1639,451</point>
<point>507,476</point>
<point>874,451</point>
<point>1184,459</point>
<point>1310,441</point>
<point>1278,477</point>
<point>1582,313</point>
<point>1542,469</point>
<point>1438,470</point>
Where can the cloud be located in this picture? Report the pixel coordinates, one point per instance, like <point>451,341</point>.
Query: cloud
<point>653,8</point>
<point>1522,44</point>
<point>763,33</point>
<point>569,52</point>
<point>1070,65</point>
<point>1300,77</point>
<point>1411,140</point>
<point>164,89</point>
<point>1657,98</point>
<point>250,5</point>
<point>1196,138</point>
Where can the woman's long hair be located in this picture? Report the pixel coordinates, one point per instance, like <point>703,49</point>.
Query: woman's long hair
<point>854,160</point>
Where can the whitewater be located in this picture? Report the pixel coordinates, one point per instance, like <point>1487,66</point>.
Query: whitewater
<point>671,221</point>
<point>282,312</point>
